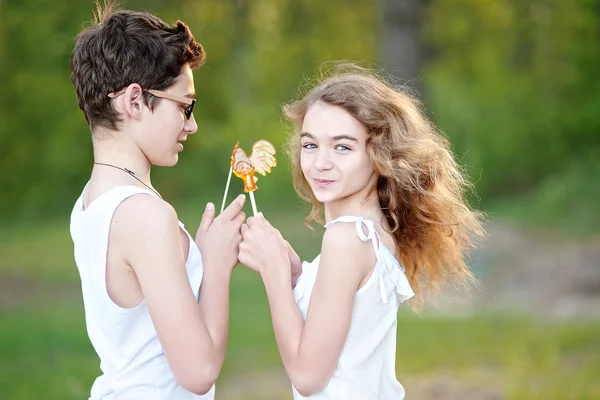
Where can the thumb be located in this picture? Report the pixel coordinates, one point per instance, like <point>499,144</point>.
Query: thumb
<point>208,216</point>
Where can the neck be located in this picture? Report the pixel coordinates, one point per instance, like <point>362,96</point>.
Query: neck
<point>119,151</point>
<point>364,203</point>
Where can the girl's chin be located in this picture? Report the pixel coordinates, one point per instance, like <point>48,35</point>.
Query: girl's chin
<point>322,198</point>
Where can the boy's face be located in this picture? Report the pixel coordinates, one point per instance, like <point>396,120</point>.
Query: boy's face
<point>160,133</point>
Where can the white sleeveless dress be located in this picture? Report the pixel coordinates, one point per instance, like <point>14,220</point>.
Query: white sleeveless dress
<point>132,359</point>
<point>366,369</point>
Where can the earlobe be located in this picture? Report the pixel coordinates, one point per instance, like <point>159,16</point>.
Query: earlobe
<point>133,99</point>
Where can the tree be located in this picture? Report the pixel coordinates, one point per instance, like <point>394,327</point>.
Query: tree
<point>403,49</point>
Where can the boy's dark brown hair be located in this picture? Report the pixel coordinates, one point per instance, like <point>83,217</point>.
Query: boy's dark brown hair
<point>125,47</point>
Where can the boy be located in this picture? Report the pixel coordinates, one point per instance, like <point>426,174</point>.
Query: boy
<point>157,334</point>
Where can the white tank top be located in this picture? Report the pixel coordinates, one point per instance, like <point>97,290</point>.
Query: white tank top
<point>367,366</point>
<point>132,360</point>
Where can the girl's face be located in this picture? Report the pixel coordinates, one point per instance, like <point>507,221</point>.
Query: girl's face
<point>161,132</point>
<point>333,156</point>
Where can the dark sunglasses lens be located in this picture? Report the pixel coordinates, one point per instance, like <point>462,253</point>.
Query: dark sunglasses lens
<point>189,109</point>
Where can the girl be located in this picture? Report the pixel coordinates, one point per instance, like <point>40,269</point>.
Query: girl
<point>157,334</point>
<point>397,224</point>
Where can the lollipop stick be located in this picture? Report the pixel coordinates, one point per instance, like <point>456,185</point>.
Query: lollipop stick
<point>226,189</point>
<point>253,201</point>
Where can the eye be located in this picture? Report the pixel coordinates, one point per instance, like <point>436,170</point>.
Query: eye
<point>341,147</point>
<point>309,146</point>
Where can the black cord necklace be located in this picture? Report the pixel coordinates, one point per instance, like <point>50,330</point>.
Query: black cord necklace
<point>130,173</point>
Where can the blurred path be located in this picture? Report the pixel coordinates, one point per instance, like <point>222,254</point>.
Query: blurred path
<point>539,274</point>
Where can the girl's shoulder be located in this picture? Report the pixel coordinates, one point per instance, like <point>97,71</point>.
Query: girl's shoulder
<point>341,234</point>
<point>343,243</point>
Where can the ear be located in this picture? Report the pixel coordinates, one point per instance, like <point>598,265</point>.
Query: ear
<point>133,101</point>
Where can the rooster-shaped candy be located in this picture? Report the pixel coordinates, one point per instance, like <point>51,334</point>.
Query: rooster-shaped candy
<point>261,160</point>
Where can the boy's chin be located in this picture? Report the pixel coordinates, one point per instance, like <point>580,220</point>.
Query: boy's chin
<point>167,161</point>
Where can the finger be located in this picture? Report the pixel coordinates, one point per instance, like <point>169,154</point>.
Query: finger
<point>239,220</point>
<point>208,216</point>
<point>242,250</point>
<point>245,260</point>
<point>250,221</point>
<point>264,223</point>
<point>244,229</point>
<point>234,208</point>
<point>241,256</point>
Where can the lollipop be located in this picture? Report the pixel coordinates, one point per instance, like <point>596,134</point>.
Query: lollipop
<point>261,160</point>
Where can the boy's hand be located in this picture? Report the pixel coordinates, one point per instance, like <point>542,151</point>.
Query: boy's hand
<point>218,238</point>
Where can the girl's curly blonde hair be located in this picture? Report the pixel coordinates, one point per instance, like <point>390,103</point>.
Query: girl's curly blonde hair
<point>421,187</point>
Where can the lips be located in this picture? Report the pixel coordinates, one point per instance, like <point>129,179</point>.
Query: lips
<point>323,182</point>
<point>180,143</point>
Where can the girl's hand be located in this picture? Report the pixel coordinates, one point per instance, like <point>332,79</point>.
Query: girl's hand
<point>264,250</point>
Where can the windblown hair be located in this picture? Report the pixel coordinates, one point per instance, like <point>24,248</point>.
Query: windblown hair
<point>421,187</point>
<point>125,47</point>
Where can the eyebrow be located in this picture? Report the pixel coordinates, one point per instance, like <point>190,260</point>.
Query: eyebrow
<point>333,138</point>
<point>190,95</point>
<point>347,137</point>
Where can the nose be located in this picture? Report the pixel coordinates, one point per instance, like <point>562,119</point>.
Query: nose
<point>190,125</point>
<point>323,160</point>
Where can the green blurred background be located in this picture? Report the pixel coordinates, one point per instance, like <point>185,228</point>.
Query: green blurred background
<point>514,84</point>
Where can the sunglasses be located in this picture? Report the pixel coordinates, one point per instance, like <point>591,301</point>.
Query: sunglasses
<point>190,103</point>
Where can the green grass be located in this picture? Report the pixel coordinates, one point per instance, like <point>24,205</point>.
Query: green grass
<point>529,359</point>
<point>45,351</point>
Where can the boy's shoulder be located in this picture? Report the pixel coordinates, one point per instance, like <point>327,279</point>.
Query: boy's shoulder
<point>144,210</point>
<point>142,223</point>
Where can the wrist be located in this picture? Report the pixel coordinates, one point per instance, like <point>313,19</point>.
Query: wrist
<point>276,273</point>
<point>217,270</point>
<point>278,289</point>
